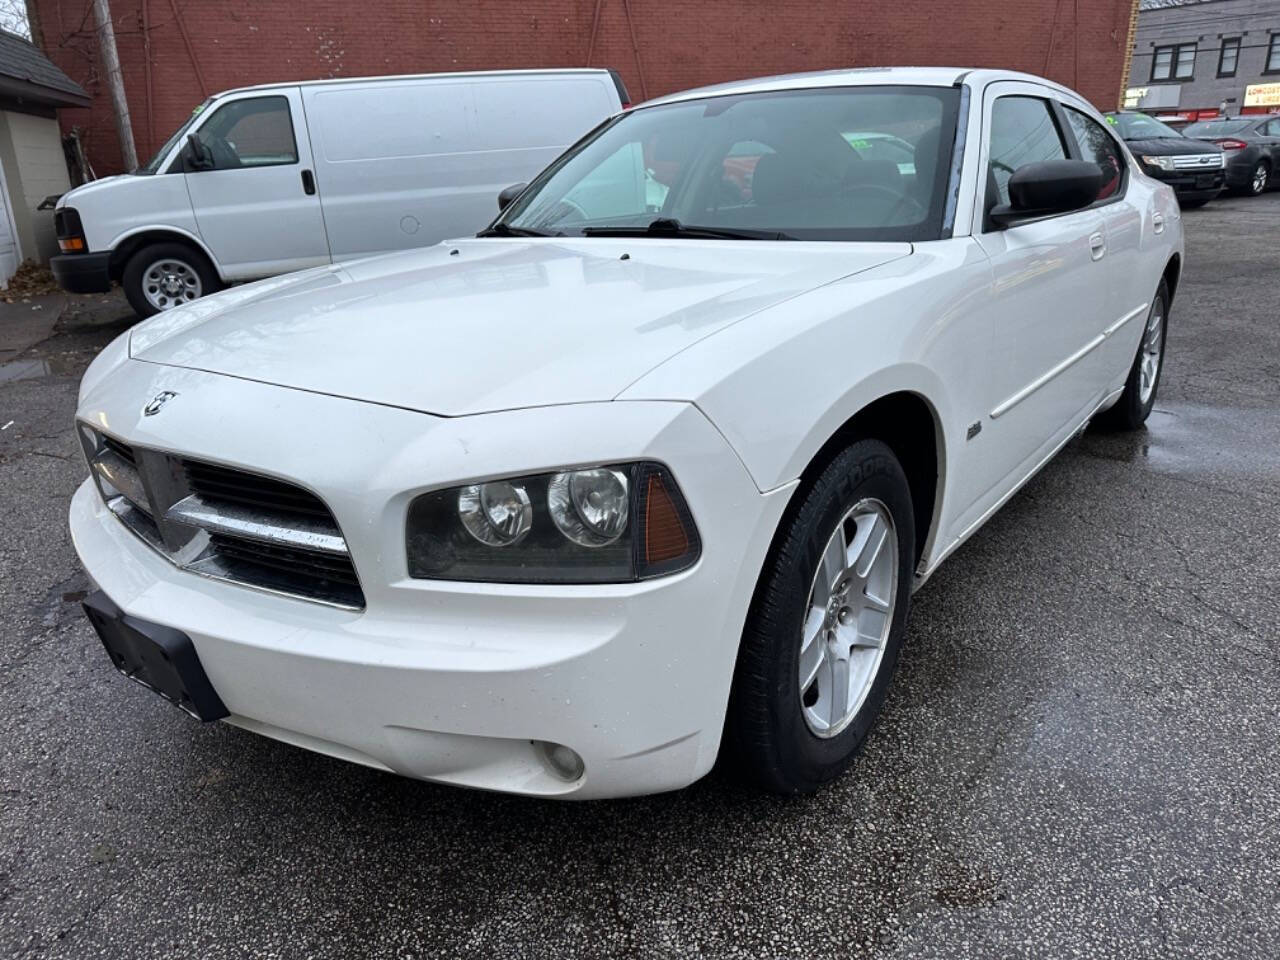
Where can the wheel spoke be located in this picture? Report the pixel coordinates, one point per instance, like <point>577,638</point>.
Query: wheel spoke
<point>832,567</point>
<point>839,701</point>
<point>876,534</point>
<point>870,628</point>
<point>813,651</point>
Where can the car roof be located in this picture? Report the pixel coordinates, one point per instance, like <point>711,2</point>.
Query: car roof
<point>861,77</point>
<point>338,81</point>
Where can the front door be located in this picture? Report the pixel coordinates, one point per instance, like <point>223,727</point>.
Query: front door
<point>257,209</point>
<point>1048,297</point>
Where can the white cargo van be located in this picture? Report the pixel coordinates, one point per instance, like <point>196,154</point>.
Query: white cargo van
<point>268,179</point>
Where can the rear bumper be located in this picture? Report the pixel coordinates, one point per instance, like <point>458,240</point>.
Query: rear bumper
<point>82,272</point>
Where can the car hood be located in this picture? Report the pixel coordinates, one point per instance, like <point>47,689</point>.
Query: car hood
<point>1172,147</point>
<point>482,325</point>
<point>95,187</point>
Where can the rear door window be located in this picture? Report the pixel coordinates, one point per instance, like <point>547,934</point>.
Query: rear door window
<point>1098,146</point>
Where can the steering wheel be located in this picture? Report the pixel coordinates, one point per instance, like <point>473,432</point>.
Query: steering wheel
<point>899,199</point>
<point>564,208</point>
<point>223,155</point>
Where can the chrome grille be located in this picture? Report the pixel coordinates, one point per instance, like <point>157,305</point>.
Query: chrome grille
<point>226,523</point>
<point>220,484</point>
<point>1198,161</point>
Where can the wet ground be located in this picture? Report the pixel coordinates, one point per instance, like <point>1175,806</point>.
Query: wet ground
<point>1079,756</point>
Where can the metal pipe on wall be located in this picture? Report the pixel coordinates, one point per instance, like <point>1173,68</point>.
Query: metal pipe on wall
<point>115,82</point>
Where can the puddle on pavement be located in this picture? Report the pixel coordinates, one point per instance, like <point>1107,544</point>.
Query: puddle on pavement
<point>33,368</point>
<point>1195,440</point>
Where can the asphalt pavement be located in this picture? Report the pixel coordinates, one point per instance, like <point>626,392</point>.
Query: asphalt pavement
<point>1079,756</point>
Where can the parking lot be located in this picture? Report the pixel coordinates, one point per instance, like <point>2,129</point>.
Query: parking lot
<point>1078,757</point>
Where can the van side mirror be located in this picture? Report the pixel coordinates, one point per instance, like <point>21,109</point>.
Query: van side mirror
<point>509,194</point>
<point>1048,187</point>
<point>197,156</point>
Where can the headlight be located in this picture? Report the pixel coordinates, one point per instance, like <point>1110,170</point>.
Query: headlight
<point>608,524</point>
<point>1164,163</point>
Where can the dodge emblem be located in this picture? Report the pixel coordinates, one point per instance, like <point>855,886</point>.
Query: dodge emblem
<point>158,401</point>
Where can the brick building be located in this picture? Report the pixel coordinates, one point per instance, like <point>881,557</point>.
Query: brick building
<point>174,52</point>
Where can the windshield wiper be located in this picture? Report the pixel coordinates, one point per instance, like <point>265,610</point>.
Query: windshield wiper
<point>503,230</point>
<point>670,227</point>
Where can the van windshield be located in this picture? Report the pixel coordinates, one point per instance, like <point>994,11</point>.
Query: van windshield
<point>847,163</point>
<point>153,165</point>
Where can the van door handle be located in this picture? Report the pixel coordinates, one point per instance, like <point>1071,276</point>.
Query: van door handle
<point>308,183</point>
<point>1098,245</point>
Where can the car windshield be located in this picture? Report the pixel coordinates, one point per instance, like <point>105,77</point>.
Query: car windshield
<point>851,163</point>
<point>153,165</point>
<point>1217,128</point>
<point>1138,126</point>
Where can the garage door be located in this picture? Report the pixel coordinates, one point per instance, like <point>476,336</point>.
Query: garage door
<point>8,242</point>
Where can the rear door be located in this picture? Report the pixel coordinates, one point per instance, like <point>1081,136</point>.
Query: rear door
<point>258,209</point>
<point>1269,134</point>
<point>1121,269</point>
<point>1049,292</point>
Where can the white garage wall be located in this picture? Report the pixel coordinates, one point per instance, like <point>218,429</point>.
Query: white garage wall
<point>8,236</point>
<point>35,146</point>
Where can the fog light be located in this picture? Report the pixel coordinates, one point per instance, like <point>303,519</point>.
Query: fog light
<point>563,762</point>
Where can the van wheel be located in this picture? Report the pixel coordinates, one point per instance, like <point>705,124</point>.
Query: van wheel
<point>166,275</point>
<point>826,625</point>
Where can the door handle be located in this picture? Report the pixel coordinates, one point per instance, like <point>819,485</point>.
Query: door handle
<point>1098,245</point>
<point>308,183</point>
<point>1157,223</point>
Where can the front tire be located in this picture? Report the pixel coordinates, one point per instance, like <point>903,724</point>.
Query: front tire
<point>162,276</point>
<point>826,625</point>
<point>1139,396</point>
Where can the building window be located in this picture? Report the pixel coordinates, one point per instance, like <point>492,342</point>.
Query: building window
<point>1273,55</point>
<point>1228,56</point>
<point>1177,62</point>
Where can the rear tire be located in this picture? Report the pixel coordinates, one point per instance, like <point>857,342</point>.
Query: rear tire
<point>1258,181</point>
<point>780,732</point>
<point>161,276</point>
<point>1139,396</point>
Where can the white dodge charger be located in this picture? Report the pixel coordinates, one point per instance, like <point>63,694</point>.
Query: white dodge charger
<point>648,470</point>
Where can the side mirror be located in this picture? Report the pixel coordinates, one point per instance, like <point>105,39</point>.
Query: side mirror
<point>197,156</point>
<point>509,194</point>
<point>1048,187</point>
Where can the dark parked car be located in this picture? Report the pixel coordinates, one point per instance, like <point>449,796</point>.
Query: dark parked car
<point>1252,145</point>
<point>1193,168</point>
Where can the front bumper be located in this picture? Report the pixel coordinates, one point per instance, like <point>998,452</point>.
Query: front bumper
<point>452,682</point>
<point>82,272</point>
<point>1195,186</point>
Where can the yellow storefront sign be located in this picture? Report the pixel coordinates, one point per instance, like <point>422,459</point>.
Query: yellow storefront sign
<point>1262,95</point>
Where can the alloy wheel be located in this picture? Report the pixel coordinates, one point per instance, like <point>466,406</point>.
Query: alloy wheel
<point>848,618</point>
<point>1152,352</point>
<point>1259,182</point>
